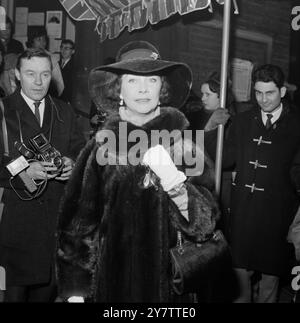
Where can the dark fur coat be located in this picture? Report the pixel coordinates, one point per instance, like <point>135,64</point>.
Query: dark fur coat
<point>114,234</point>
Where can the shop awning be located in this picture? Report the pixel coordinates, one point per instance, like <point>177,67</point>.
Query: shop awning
<point>113,16</point>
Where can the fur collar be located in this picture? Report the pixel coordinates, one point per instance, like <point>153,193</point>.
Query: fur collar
<point>120,147</point>
<point>169,119</point>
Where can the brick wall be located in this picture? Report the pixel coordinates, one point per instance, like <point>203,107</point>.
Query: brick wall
<point>268,19</point>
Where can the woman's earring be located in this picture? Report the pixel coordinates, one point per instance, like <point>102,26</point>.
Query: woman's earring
<point>121,103</point>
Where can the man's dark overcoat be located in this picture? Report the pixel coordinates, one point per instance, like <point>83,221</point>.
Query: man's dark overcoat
<point>264,197</point>
<point>27,228</point>
<point>68,75</point>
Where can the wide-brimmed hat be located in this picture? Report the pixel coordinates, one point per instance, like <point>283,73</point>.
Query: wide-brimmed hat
<point>141,58</point>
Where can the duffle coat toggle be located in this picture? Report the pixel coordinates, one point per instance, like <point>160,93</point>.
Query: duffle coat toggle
<point>261,141</point>
<point>256,164</point>
<point>254,188</point>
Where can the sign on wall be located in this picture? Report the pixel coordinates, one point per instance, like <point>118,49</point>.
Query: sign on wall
<point>241,79</point>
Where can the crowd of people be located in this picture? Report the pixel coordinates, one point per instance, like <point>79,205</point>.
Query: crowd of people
<point>94,221</point>
<point>62,63</point>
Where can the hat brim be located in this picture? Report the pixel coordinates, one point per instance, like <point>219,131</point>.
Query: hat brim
<point>179,77</point>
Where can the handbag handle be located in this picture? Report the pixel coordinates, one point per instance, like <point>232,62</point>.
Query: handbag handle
<point>179,242</point>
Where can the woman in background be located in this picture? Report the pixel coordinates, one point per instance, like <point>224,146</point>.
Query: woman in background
<point>207,115</point>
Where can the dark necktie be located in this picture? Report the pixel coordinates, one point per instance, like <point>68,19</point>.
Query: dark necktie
<point>269,123</point>
<point>37,111</point>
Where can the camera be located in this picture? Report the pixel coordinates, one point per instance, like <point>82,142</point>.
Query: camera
<point>42,150</point>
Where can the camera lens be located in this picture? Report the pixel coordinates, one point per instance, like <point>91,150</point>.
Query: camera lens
<point>58,162</point>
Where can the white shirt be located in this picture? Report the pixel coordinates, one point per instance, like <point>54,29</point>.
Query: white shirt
<point>30,103</point>
<point>276,114</point>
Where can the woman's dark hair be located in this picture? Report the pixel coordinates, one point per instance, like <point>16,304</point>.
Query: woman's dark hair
<point>35,32</point>
<point>165,94</point>
<point>213,82</point>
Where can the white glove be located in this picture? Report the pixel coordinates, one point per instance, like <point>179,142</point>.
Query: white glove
<point>76,299</point>
<point>159,160</point>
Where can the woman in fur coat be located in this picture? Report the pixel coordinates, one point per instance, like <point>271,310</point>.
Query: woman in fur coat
<point>134,185</point>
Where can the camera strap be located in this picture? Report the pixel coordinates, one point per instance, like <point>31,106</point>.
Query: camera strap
<point>4,130</point>
<point>6,152</point>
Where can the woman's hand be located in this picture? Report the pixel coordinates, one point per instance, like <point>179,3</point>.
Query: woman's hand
<point>76,299</point>
<point>219,116</point>
<point>159,160</point>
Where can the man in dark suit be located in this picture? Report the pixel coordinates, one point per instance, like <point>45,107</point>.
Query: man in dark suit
<point>28,223</point>
<point>67,50</point>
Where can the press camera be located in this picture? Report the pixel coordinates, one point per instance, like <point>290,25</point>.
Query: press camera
<point>42,151</point>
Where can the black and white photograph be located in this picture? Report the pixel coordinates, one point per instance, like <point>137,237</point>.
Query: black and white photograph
<point>149,154</point>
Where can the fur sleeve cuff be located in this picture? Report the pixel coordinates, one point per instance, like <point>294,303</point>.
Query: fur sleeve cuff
<point>203,213</point>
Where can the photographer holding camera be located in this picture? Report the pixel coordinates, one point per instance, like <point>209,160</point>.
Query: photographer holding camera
<point>39,142</point>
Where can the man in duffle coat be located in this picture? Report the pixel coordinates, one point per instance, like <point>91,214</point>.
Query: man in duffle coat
<point>264,147</point>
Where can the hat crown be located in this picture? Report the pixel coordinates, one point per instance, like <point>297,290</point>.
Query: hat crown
<point>137,50</point>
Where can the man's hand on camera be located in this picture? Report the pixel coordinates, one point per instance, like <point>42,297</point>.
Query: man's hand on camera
<point>67,169</point>
<point>41,170</point>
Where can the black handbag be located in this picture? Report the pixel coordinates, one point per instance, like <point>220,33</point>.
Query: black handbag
<point>194,263</point>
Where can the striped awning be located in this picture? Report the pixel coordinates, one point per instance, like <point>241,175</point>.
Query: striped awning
<point>112,16</point>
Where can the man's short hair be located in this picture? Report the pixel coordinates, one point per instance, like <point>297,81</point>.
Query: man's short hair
<point>269,73</point>
<point>33,52</point>
<point>68,42</point>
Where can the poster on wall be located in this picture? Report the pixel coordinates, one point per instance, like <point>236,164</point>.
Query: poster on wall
<point>54,45</point>
<point>241,79</point>
<point>21,21</point>
<point>21,24</point>
<point>54,24</point>
<point>36,19</point>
